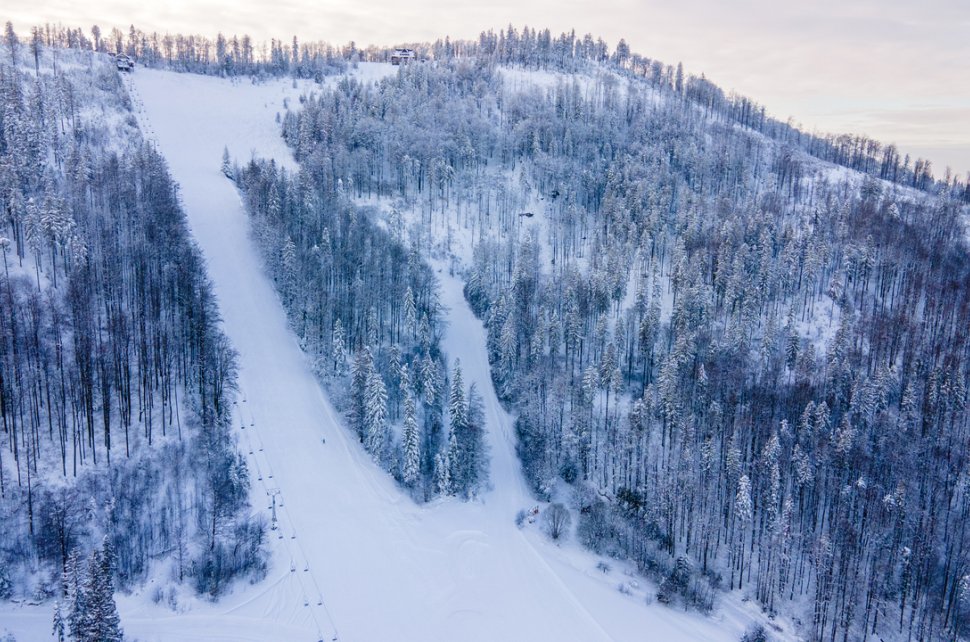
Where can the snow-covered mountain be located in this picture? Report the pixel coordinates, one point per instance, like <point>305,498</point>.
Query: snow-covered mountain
<point>525,345</point>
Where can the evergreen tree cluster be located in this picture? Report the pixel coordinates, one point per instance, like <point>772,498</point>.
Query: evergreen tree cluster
<point>91,614</point>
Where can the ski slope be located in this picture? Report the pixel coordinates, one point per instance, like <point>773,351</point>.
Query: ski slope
<point>354,558</point>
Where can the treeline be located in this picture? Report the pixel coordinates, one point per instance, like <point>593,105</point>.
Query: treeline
<point>115,380</point>
<point>539,49</point>
<point>751,378</point>
<point>528,47</point>
<point>223,56</point>
<point>365,307</point>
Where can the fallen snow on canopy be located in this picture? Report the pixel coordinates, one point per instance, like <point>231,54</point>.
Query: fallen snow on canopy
<point>353,556</point>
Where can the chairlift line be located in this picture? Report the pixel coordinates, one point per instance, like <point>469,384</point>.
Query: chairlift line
<point>279,513</point>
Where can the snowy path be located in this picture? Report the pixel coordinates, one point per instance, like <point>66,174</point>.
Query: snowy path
<point>385,568</point>
<point>465,339</point>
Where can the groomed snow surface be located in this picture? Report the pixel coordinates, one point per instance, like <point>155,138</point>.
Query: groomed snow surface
<point>354,557</point>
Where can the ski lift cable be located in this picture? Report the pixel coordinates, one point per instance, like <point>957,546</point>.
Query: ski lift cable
<point>282,510</point>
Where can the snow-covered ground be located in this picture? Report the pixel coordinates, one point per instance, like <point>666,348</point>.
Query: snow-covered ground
<point>354,557</point>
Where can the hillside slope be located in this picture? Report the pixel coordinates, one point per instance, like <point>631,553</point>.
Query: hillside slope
<point>384,567</point>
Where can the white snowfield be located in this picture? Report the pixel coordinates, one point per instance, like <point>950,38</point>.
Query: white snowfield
<point>355,558</point>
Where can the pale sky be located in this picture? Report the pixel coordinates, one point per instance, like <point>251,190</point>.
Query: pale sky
<point>896,70</point>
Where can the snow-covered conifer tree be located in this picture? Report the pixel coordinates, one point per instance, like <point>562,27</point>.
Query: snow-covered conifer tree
<point>360,375</point>
<point>457,408</point>
<point>410,313</point>
<point>456,476</point>
<point>103,622</point>
<point>442,476</point>
<point>226,163</point>
<point>430,380</point>
<point>411,443</point>
<point>339,347</point>
<point>74,596</point>
<point>58,629</point>
<point>375,415</point>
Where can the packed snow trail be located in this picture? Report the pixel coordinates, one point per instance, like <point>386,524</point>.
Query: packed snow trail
<point>382,567</point>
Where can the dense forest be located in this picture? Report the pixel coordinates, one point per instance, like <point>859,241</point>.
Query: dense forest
<point>737,352</point>
<point>743,369</point>
<point>116,382</point>
<point>365,306</point>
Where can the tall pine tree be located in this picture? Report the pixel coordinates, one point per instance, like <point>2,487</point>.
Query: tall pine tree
<point>375,415</point>
<point>411,438</point>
